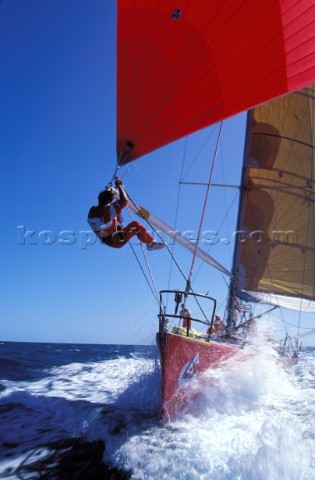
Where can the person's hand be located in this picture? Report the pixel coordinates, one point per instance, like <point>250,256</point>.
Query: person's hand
<point>118,182</point>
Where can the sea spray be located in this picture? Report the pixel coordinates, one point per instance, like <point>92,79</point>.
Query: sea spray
<point>254,419</point>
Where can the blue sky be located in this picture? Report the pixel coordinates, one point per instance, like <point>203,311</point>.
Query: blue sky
<point>57,135</point>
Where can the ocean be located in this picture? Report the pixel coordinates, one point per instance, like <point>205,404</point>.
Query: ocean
<point>93,412</point>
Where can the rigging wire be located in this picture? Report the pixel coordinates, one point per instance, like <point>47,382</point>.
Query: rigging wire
<point>188,282</point>
<point>225,204</point>
<point>311,332</point>
<point>205,203</point>
<point>153,289</point>
<point>302,328</point>
<point>219,229</point>
<point>168,249</point>
<point>158,235</point>
<point>182,176</point>
<point>153,286</point>
<point>212,130</point>
<point>178,195</point>
<point>177,207</point>
<point>150,272</point>
<point>144,274</point>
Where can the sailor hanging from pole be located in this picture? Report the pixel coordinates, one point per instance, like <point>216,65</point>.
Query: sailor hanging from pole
<point>105,220</point>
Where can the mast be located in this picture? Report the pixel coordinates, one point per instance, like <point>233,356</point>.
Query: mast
<point>236,253</point>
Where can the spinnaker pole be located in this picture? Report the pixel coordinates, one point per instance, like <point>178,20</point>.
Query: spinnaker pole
<point>176,236</point>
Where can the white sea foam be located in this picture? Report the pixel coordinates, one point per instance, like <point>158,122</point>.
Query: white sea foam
<point>99,382</point>
<point>253,421</point>
<point>248,424</point>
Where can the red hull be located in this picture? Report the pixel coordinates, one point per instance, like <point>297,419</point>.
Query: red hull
<point>183,358</point>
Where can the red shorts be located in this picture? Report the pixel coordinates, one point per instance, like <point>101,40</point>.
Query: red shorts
<point>123,234</point>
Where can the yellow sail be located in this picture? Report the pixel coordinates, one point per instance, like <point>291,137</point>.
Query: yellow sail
<point>277,252</point>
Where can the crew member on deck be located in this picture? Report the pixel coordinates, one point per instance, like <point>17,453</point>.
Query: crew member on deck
<point>186,316</point>
<point>105,220</point>
<point>218,326</point>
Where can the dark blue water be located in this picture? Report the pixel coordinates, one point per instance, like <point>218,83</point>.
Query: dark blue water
<point>92,412</point>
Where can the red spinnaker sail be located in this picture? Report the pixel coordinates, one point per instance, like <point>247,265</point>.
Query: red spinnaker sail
<point>184,65</point>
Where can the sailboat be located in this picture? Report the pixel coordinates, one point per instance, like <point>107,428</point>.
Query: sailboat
<point>182,69</point>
